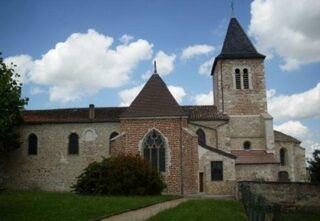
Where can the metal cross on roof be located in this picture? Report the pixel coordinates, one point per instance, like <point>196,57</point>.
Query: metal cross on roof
<point>155,67</point>
<point>232,9</point>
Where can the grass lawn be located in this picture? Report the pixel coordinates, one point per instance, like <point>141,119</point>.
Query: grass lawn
<point>299,217</point>
<point>198,210</point>
<point>34,206</point>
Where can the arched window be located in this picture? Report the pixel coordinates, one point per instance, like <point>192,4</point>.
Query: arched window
<point>283,153</point>
<point>247,145</point>
<point>201,137</point>
<point>245,78</point>
<point>283,176</point>
<point>112,135</point>
<point>73,146</point>
<point>238,78</point>
<point>33,145</point>
<point>154,150</point>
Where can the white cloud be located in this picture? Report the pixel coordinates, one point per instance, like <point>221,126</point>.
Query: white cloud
<point>196,50</point>
<point>128,95</point>
<point>204,99</point>
<point>293,128</point>
<point>296,106</point>
<point>125,39</point>
<point>289,29</point>
<point>205,68</point>
<point>36,91</point>
<point>24,65</point>
<point>165,64</point>
<point>86,63</point>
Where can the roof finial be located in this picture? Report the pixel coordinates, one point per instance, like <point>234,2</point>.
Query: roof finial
<point>155,67</point>
<point>232,9</point>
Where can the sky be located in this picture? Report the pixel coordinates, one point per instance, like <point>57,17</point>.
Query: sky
<point>77,52</point>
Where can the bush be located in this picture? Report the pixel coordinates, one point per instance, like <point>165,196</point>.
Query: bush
<point>121,175</point>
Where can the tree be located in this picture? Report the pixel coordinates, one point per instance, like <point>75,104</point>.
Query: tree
<point>314,167</point>
<point>11,105</point>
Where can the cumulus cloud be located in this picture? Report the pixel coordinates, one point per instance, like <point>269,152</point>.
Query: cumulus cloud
<point>86,63</point>
<point>36,91</point>
<point>293,128</point>
<point>128,95</point>
<point>196,50</point>
<point>165,64</point>
<point>204,99</point>
<point>288,29</point>
<point>296,106</point>
<point>205,68</point>
<point>24,65</point>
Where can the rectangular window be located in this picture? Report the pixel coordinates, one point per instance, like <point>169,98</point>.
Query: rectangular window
<point>216,171</point>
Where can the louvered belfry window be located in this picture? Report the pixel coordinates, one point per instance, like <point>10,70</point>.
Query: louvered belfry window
<point>154,150</point>
<point>238,79</point>
<point>245,79</point>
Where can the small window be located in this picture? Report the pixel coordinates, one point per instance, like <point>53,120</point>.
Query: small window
<point>245,78</point>
<point>283,176</point>
<point>201,137</point>
<point>33,145</point>
<point>112,135</point>
<point>247,145</point>
<point>216,171</point>
<point>238,78</point>
<point>283,159</point>
<point>73,146</point>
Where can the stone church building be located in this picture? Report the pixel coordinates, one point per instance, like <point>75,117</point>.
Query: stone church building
<point>196,148</point>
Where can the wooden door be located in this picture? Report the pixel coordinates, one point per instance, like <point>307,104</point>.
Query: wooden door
<point>201,182</point>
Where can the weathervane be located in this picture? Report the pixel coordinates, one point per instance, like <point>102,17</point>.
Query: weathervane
<point>155,67</point>
<point>232,9</point>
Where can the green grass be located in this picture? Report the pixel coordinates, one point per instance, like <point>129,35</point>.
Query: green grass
<point>198,210</point>
<point>299,217</point>
<point>34,206</point>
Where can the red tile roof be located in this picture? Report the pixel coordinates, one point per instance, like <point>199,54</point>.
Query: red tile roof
<point>254,157</point>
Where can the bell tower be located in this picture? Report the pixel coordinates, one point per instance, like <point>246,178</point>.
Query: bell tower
<point>238,75</point>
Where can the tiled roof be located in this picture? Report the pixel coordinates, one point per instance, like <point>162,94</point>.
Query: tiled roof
<point>237,44</point>
<point>108,114</point>
<point>281,137</point>
<point>72,115</point>
<point>154,100</point>
<point>218,151</point>
<point>254,157</point>
<point>204,112</point>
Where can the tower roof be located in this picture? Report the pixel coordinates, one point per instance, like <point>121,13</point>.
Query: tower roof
<point>154,100</point>
<point>236,44</point>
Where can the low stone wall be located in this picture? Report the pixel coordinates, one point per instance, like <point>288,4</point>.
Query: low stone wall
<point>273,199</point>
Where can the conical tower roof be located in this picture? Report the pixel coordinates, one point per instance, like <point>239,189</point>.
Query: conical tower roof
<point>236,44</point>
<point>154,100</point>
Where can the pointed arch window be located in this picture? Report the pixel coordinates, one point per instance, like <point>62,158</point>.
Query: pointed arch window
<point>154,150</point>
<point>73,145</point>
<point>32,144</point>
<point>201,137</point>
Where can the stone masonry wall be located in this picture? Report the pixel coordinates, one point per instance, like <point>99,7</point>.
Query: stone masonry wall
<point>53,169</point>
<point>239,102</point>
<point>256,172</point>
<point>171,129</point>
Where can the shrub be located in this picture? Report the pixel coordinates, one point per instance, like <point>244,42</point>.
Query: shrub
<point>121,175</point>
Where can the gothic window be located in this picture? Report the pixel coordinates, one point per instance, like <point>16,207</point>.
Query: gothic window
<point>33,145</point>
<point>201,137</point>
<point>283,153</point>
<point>238,78</point>
<point>247,145</point>
<point>154,150</point>
<point>245,78</point>
<point>73,145</point>
<point>216,170</point>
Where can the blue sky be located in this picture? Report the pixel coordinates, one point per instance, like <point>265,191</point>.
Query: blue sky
<point>73,53</point>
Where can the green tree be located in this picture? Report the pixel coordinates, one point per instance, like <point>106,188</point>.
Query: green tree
<point>11,105</point>
<point>314,167</point>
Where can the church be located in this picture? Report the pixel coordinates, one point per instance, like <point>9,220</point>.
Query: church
<point>198,149</point>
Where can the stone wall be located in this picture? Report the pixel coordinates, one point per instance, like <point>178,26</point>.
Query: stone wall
<point>240,102</point>
<point>257,172</point>
<point>53,169</point>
